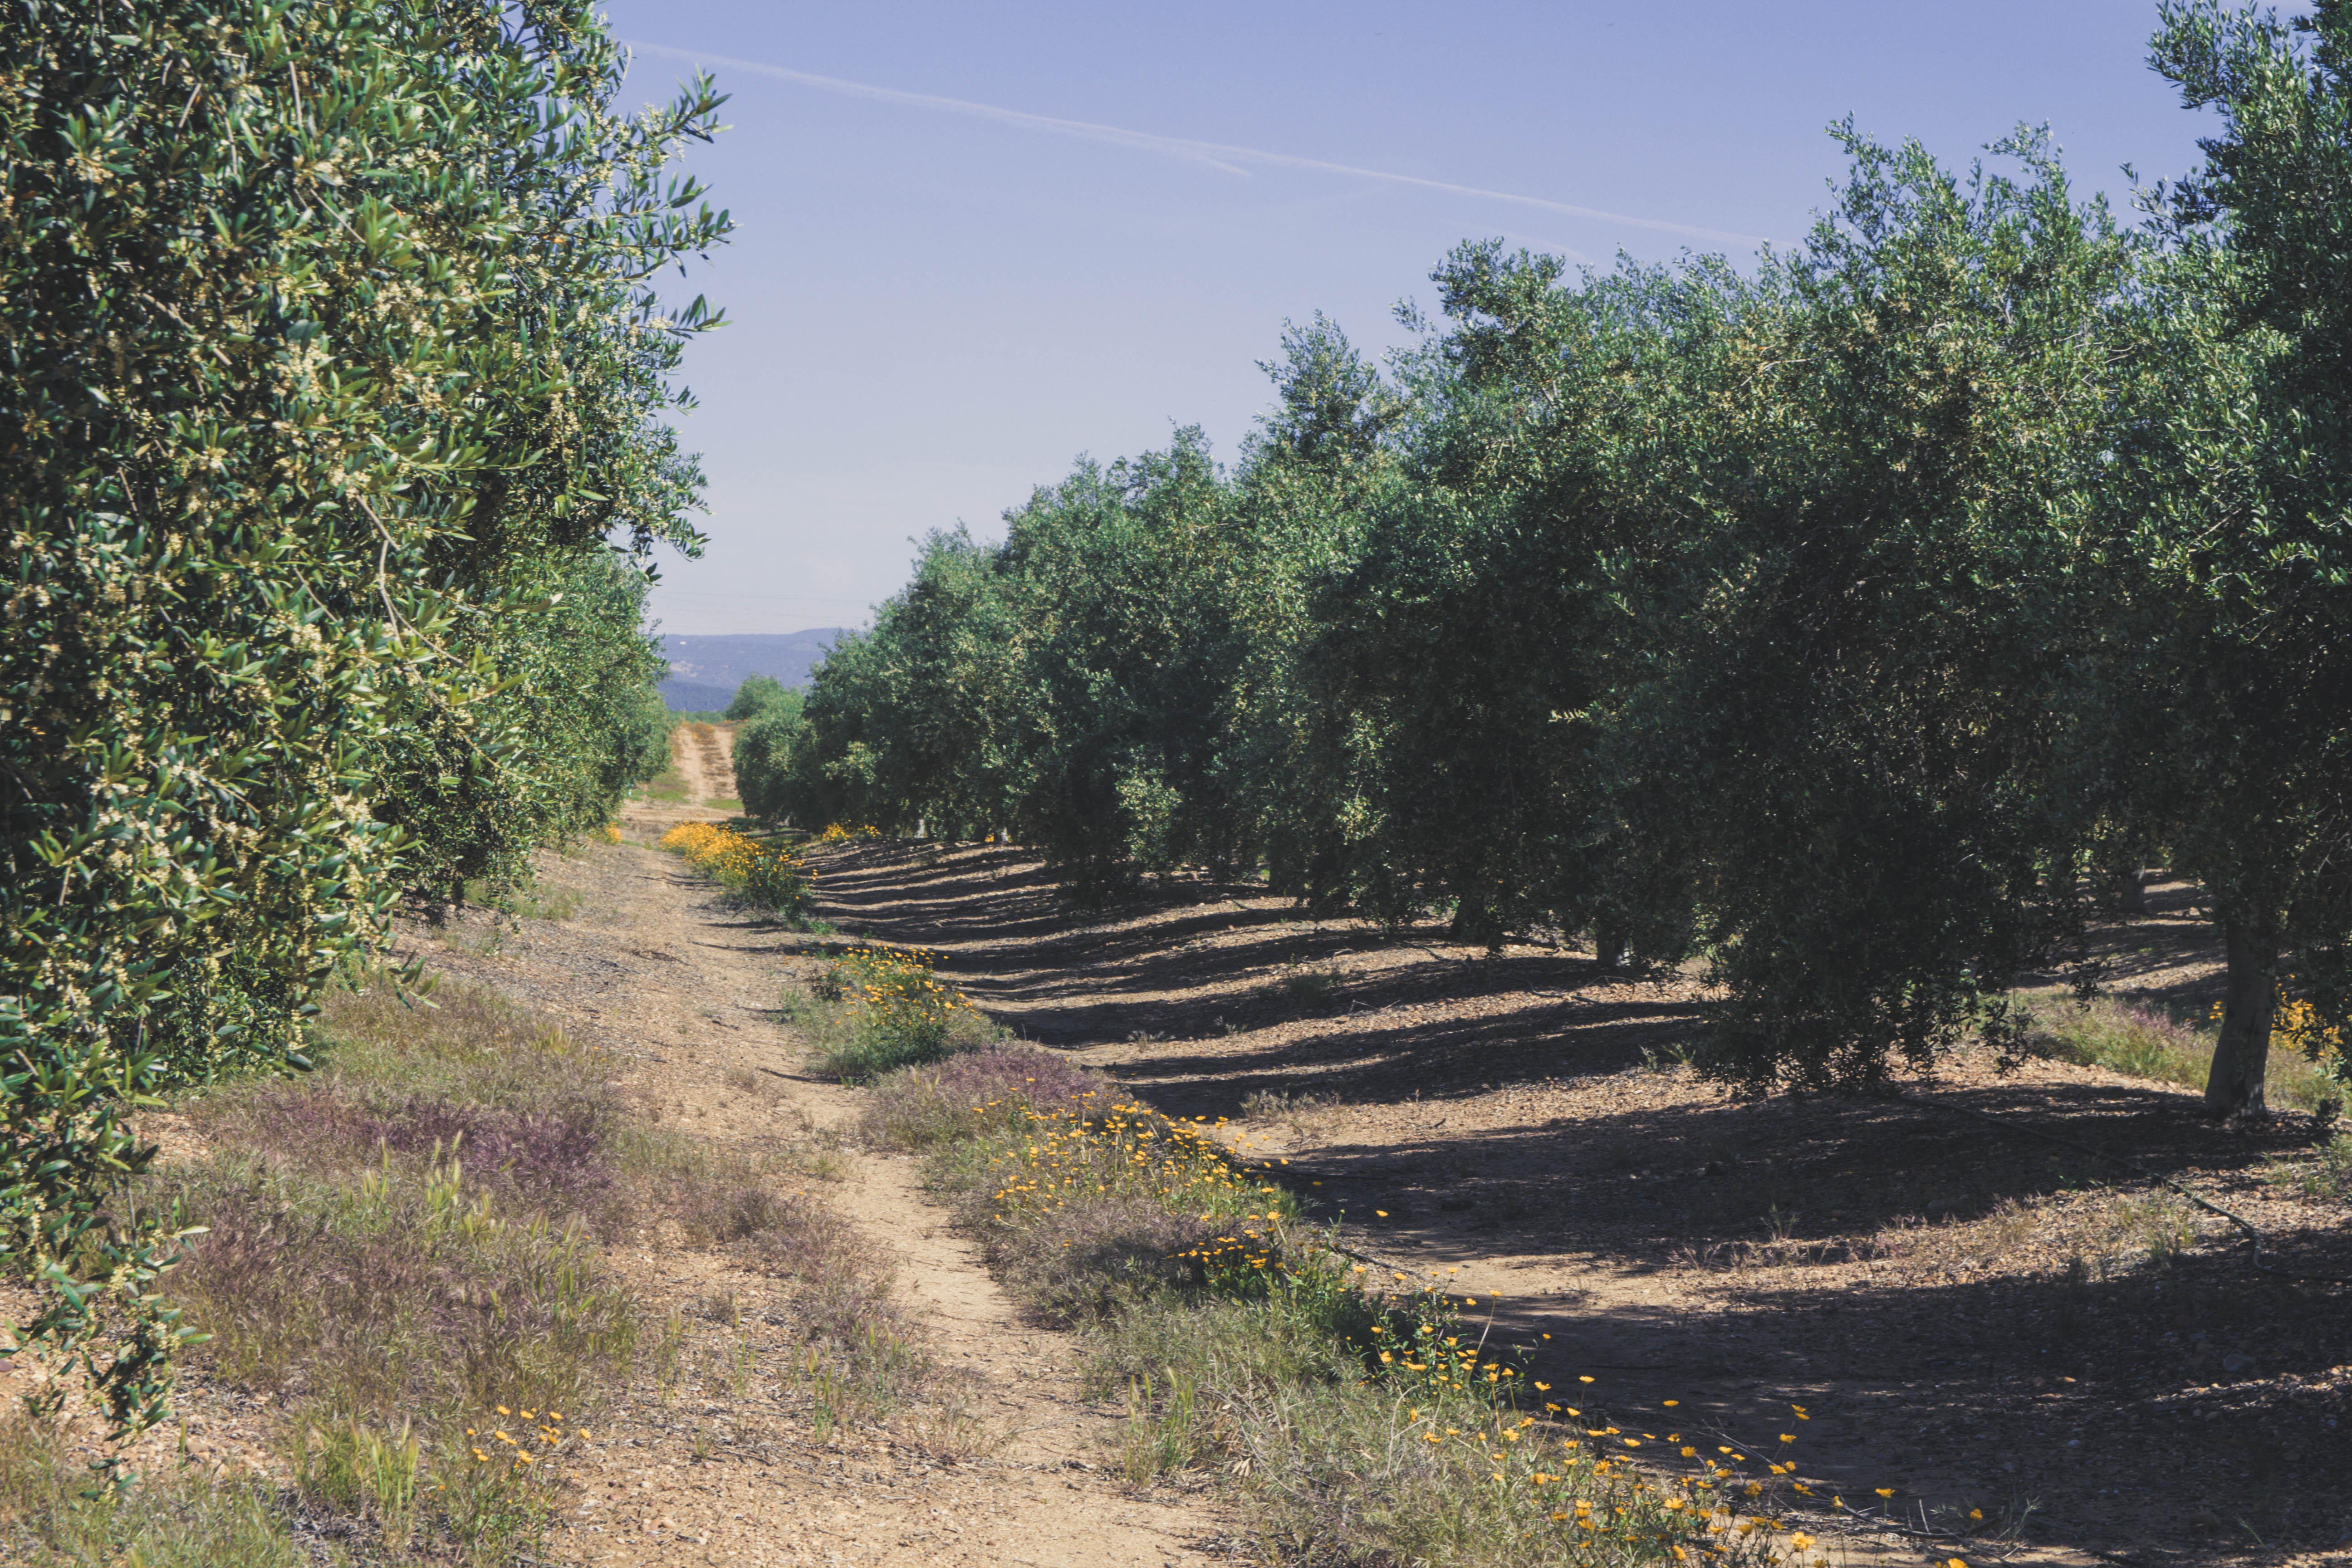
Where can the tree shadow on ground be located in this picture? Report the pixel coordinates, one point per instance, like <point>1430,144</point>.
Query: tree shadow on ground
<point>1353,1059</point>
<point>1873,1260</point>
<point>1191,961</point>
<point>1861,1258</point>
<point>1676,1184</point>
<point>2181,1410</point>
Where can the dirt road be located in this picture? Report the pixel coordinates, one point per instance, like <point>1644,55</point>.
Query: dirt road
<point>701,756</point>
<point>722,1468</point>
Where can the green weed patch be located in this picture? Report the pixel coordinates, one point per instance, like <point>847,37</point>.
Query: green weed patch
<point>874,1010</point>
<point>2146,1041</point>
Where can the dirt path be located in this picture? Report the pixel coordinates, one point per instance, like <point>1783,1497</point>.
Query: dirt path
<point>1971,1317</point>
<point>651,964</point>
<point>703,756</point>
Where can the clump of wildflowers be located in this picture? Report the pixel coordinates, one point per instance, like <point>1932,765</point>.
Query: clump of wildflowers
<point>500,1482</point>
<point>896,1011</point>
<point>768,874</point>
<point>542,1436</point>
<point>1103,1146</point>
<point>2297,1026</point>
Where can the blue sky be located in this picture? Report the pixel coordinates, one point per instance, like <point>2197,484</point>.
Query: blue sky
<point>934,308</point>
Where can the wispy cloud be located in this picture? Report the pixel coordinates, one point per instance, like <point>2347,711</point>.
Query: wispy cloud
<point>1217,154</point>
<point>1537,242</point>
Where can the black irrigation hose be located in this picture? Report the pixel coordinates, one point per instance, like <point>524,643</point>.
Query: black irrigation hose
<point>2128,1163</point>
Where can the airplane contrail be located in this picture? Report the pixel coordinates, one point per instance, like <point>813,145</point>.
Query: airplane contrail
<point>1217,154</point>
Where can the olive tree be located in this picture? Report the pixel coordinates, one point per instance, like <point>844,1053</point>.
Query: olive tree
<point>2236,697</point>
<point>328,344</point>
<point>1866,698</point>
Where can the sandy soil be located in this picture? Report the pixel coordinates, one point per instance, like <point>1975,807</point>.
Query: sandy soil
<point>701,755</point>
<point>1969,1312</point>
<point>1007,1467</point>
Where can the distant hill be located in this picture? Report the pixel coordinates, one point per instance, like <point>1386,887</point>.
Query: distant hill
<point>705,671</point>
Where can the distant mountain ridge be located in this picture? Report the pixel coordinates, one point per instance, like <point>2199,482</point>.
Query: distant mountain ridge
<point>705,671</point>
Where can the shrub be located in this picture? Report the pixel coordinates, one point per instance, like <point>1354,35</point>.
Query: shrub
<point>879,1009</point>
<point>763,752</point>
<point>768,875</point>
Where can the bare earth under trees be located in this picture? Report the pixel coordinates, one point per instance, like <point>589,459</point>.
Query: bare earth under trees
<point>1001,1464</point>
<point>1973,1314</point>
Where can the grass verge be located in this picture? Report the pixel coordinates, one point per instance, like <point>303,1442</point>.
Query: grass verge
<point>2146,1041</point>
<point>665,788</point>
<point>404,1271</point>
<point>875,1010</point>
<point>1360,1417</point>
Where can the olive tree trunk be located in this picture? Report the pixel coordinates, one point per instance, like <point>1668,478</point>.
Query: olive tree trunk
<point>2242,1054</point>
<point>2131,892</point>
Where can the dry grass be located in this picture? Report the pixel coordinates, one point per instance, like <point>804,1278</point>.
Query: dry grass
<point>536,902</point>
<point>2325,1175</point>
<point>405,1261</point>
<point>49,1513</point>
<point>1309,987</point>
<point>2105,1237</point>
<point>530,901</point>
<point>1299,1110</point>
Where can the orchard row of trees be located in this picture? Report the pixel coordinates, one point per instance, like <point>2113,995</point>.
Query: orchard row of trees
<point>1846,619</point>
<point>332,419</point>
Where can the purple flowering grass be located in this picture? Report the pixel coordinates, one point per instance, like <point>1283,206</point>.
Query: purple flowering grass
<point>925,1106</point>
<point>330,1272</point>
<point>553,1157</point>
